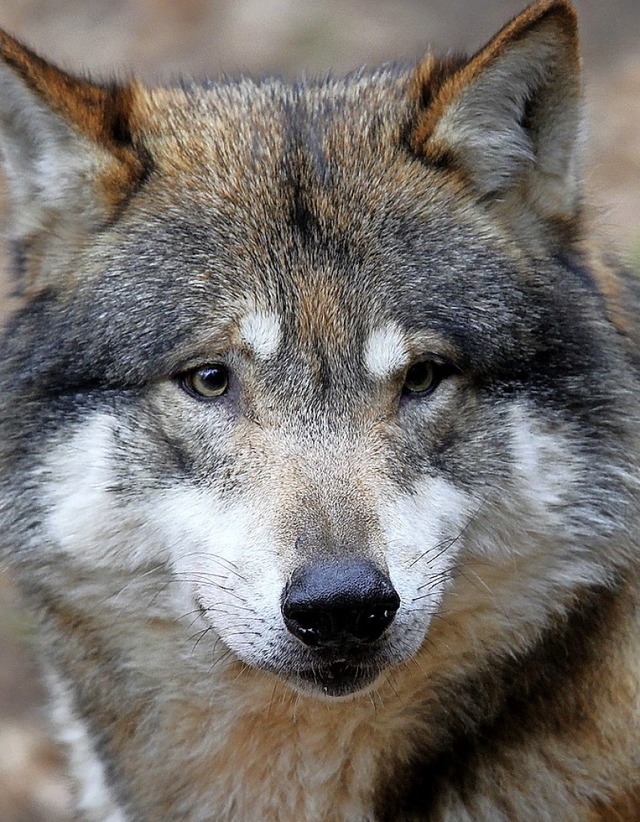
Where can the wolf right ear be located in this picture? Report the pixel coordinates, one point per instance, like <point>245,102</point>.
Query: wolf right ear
<point>509,119</point>
<point>67,150</point>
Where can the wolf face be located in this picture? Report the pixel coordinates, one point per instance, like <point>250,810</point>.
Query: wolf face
<point>317,383</point>
<point>299,364</point>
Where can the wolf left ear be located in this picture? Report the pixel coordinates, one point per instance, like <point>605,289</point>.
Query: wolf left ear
<point>67,151</point>
<point>509,119</point>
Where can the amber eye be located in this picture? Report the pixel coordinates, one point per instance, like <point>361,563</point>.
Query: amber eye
<point>421,378</point>
<point>207,382</point>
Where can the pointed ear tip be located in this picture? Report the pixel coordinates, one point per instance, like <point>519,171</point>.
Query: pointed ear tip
<point>563,10</point>
<point>16,55</point>
<point>558,18</point>
<point>9,43</point>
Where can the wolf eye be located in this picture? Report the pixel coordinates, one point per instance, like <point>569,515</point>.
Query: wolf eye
<point>206,382</point>
<point>422,377</point>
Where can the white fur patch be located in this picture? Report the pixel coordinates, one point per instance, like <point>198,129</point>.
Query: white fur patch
<point>527,549</point>
<point>224,552</point>
<point>261,331</point>
<point>93,798</point>
<point>385,351</point>
<point>422,529</point>
<point>87,519</point>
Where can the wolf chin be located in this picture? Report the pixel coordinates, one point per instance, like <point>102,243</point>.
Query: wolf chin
<point>320,441</point>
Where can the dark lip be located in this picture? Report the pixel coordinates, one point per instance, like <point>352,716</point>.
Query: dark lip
<point>338,678</point>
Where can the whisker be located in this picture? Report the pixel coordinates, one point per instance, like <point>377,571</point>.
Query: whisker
<point>452,541</point>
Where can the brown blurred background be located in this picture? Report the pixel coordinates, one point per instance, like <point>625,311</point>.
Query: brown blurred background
<point>162,38</point>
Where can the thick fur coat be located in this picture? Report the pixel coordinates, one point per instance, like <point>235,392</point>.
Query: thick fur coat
<point>320,441</point>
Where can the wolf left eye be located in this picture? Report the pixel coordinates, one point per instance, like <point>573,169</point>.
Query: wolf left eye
<point>206,382</point>
<point>422,377</point>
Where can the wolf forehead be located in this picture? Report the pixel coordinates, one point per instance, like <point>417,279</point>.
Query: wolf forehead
<point>293,189</point>
<point>307,213</point>
<point>270,213</point>
<point>303,199</point>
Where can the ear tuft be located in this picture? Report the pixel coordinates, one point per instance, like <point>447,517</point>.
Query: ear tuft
<point>431,76</point>
<point>509,118</point>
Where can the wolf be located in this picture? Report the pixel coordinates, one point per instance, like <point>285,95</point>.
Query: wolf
<point>320,456</point>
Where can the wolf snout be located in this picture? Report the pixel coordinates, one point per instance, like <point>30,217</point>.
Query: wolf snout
<point>338,605</point>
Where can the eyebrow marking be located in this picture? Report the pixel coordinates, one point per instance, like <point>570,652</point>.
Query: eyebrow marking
<point>386,351</point>
<point>261,332</point>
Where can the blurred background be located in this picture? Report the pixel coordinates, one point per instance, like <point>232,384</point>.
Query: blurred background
<point>159,39</point>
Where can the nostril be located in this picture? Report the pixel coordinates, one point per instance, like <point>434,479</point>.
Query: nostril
<point>341,602</point>
<point>368,624</point>
<point>310,626</point>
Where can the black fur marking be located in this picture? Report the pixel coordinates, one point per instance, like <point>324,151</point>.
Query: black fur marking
<point>302,218</point>
<point>304,163</point>
<point>147,163</point>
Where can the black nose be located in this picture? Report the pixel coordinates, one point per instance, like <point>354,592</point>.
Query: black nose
<point>339,603</point>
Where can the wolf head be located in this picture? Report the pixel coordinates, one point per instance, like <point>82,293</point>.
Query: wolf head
<point>330,364</point>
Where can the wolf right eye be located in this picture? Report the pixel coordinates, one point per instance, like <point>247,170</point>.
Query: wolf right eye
<point>206,382</point>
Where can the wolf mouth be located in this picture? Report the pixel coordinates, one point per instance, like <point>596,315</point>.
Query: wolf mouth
<point>337,678</point>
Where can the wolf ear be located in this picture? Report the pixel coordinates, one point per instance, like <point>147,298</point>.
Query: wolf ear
<point>67,149</point>
<point>509,118</point>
